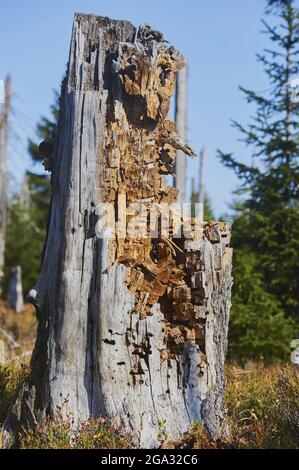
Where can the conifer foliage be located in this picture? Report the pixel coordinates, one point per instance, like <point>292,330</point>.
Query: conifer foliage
<point>266,224</point>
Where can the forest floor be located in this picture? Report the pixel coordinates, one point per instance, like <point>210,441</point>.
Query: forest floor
<point>262,402</point>
<point>17,332</point>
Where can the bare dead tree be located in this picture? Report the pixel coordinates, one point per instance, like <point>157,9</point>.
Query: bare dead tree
<point>25,196</point>
<point>4,118</point>
<point>201,194</point>
<point>181,116</point>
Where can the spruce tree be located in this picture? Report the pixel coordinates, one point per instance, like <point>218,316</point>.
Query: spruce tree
<point>24,242</point>
<point>266,224</point>
<point>46,128</point>
<point>26,230</point>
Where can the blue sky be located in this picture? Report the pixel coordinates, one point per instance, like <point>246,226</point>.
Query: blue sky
<point>218,37</point>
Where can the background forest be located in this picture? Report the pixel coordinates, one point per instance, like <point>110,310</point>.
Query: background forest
<point>265,218</point>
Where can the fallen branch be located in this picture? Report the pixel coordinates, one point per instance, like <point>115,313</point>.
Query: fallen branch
<point>10,339</point>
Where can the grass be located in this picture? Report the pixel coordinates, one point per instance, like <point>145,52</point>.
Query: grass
<point>21,327</point>
<point>11,378</point>
<point>262,404</point>
<point>262,412</point>
<point>57,433</point>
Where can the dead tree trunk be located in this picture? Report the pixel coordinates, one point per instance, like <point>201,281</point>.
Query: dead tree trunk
<point>181,107</point>
<point>134,328</point>
<point>15,291</point>
<point>25,196</point>
<point>201,193</point>
<point>3,170</point>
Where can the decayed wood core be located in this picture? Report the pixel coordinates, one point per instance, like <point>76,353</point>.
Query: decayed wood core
<point>140,146</point>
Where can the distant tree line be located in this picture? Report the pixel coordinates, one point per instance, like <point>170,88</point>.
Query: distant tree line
<point>27,213</point>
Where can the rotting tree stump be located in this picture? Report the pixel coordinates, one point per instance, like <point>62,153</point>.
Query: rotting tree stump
<point>133,328</point>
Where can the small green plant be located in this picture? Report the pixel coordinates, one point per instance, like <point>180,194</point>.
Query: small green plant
<point>101,434</point>
<point>11,378</point>
<point>162,433</point>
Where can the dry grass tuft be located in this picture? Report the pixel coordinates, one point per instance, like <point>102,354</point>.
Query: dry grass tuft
<point>22,329</point>
<point>262,410</point>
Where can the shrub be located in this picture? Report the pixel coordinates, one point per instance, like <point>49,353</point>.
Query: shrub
<point>59,433</point>
<point>262,412</point>
<point>11,378</point>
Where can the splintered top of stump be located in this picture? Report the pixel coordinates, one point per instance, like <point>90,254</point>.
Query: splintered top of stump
<point>94,37</point>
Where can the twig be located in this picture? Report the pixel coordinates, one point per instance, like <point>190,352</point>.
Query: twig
<point>12,342</point>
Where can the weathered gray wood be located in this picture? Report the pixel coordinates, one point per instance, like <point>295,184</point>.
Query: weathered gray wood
<point>181,116</point>
<point>4,115</point>
<point>144,349</point>
<point>15,290</point>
